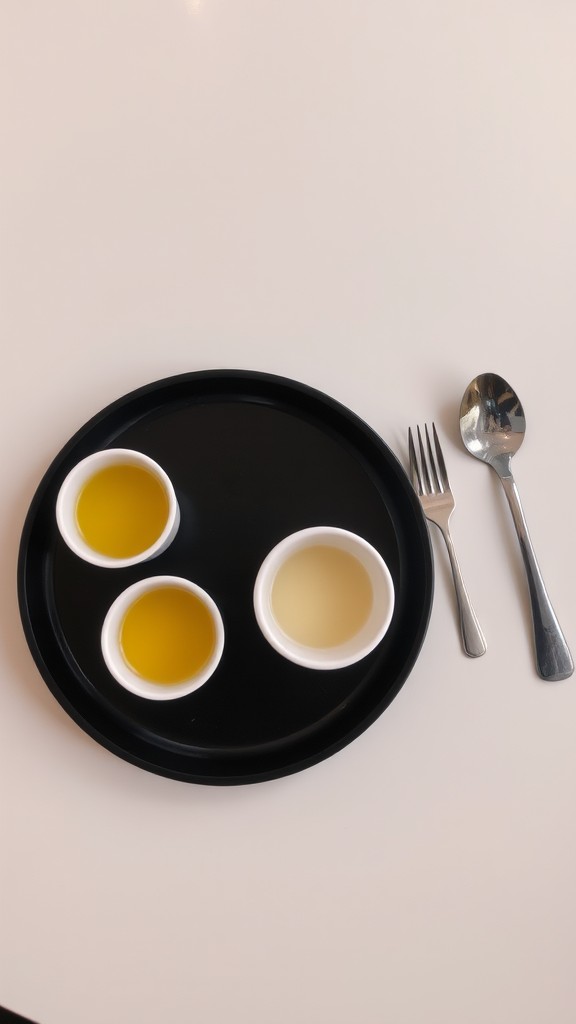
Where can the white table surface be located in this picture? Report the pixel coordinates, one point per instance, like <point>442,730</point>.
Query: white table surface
<point>377,199</point>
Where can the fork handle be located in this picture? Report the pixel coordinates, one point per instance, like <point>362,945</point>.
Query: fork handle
<point>472,636</point>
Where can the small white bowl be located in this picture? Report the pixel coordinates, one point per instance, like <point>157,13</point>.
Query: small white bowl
<point>112,650</point>
<point>370,632</point>
<point>68,499</point>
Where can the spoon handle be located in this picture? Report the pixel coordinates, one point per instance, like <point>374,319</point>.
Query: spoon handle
<point>553,657</point>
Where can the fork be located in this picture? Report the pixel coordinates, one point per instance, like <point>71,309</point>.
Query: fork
<point>430,481</point>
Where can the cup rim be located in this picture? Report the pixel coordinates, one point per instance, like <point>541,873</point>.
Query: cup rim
<point>370,634</point>
<point>117,664</point>
<point>68,497</point>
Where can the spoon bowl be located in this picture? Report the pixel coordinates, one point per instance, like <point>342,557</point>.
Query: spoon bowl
<point>493,425</point>
<point>492,420</point>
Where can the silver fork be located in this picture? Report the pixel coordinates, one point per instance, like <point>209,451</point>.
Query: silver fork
<point>430,481</point>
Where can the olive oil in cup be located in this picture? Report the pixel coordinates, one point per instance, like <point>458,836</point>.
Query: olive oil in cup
<point>324,598</point>
<point>116,508</point>
<point>162,638</point>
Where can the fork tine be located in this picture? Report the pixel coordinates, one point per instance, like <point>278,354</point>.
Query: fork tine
<point>440,460</point>
<point>426,478</point>
<point>414,471</point>
<point>432,461</point>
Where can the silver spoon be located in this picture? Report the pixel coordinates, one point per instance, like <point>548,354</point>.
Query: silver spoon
<point>492,424</point>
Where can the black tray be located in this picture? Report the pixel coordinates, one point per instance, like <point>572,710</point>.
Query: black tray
<point>253,457</point>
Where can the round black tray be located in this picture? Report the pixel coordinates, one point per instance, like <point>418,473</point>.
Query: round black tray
<point>253,457</point>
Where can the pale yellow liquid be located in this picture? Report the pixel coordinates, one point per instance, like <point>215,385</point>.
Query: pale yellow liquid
<point>167,635</point>
<point>321,596</point>
<point>122,510</point>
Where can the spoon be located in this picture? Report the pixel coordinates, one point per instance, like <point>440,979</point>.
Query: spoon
<point>492,424</point>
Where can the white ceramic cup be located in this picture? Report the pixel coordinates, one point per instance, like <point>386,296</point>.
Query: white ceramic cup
<point>69,493</point>
<point>114,657</point>
<point>370,631</point>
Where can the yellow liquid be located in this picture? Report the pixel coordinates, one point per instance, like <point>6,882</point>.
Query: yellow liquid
<point>321,596</point>
<point>122,510</point>
<point>167,635</point>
